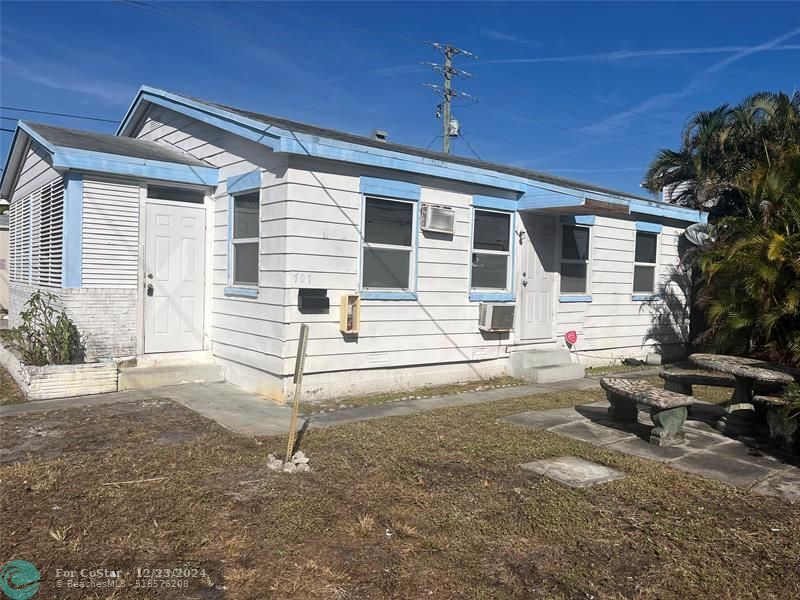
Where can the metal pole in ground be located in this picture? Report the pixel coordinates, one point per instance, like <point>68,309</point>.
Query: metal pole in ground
<point>299,366</point>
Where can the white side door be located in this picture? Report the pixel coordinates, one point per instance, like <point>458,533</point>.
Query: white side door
<point>174,276</point>
<point>537,289</point>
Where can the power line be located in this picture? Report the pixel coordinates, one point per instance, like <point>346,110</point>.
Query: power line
<point>449,125</point>
<point>6,129</point>
<point>56,114</point>
<point>343,26</point>
<point>258,29</point>
<point>370,71</point>
<point>485,61</point>
<point>464,137</point>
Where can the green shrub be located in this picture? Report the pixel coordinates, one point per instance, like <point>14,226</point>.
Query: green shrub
<point>47,336</point>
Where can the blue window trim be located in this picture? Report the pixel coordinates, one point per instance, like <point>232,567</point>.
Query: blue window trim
<point>72,242</point>
<point>577,219</point>
<point>244,182</point>
<point>241,292</point>
<point>476,295</point>
<point>377,294</point>
<point>390,188</point>
<point>491,297</point>
<point>649,227</point>
<point>494,203</point>
<point>645,297</point>
<point>575,298</point>
<point>232,289</point>
<point>388,295</point>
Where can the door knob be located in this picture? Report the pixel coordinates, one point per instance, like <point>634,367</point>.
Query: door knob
<point>149,289</point>
<point>524,282</point>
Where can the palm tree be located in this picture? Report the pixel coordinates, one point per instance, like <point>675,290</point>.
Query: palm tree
<point>742,165</point>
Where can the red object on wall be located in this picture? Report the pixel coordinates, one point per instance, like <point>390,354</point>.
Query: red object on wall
<point>571,337</point>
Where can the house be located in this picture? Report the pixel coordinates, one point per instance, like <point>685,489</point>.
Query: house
<point>208,234</point>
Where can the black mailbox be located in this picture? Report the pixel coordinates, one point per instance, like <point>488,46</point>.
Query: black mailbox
<point>312,299</point>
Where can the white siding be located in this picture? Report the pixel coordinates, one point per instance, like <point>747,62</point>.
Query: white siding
<point>35,173</point>
<point>110,243</point>
<point>247,334</point>
<point>613,325</point>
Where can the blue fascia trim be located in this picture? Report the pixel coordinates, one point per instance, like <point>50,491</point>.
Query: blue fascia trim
<point>47,145</point>
<point>491,297</point>
<point>649,227</point>
<point>391,188</point>
<point>644,297</point>
<point>241,292</point>
<point>495,203</point>
<point>669,211</point>
<point>575,298</point>
<point>374,295</point>
<point>244,182</point>
<point>72,242</point>
<point>306,145</point>
<point>577,219</point>
<point>68,158</point>
<point>267,135</point>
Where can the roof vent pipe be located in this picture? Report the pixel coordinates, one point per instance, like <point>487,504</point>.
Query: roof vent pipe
<point>380,135</point>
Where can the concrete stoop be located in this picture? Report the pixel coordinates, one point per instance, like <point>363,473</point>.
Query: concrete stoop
<point>146,377</point>
<point>545,366</point>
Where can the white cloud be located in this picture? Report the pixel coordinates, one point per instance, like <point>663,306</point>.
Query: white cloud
<point>623,55</point>
<point>502,36</point>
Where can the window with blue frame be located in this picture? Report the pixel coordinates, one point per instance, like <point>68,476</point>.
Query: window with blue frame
<point>491,251</point>
<point>388,246</point>
<point>244,242</point>
<point>574,259</point>
<point>645,262</point>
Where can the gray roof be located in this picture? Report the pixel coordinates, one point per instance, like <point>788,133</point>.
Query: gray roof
<point>461,160</point>
<point>112,144</point>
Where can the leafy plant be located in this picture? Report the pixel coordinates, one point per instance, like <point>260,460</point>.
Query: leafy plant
<point>791,395</point>
<point>47,336</point>
<point>742,164</point>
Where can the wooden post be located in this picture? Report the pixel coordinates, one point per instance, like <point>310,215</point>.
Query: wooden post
<point>299,366</point>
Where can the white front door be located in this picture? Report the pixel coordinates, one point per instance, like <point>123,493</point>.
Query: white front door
<point>537,290</point>
<point>174,279</point>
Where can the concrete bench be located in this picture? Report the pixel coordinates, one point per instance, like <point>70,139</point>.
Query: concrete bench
<point>781,428</point>
<point>682,380</point>
<point>667,409</point>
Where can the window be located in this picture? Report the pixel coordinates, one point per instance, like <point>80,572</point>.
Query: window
<point>388,244</point>
<point>491,250</point>
<point>644,266</point>
<point>574,259</point>
<point>244,243</point>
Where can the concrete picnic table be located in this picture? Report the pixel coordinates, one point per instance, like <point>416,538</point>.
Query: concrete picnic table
<point>738,418</point>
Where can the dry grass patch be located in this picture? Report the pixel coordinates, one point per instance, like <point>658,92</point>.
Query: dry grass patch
<point>9,390</point>
<point>426,506</point>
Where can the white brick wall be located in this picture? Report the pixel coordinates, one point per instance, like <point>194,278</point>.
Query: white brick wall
<point>60,381</point>
<point>106,316</point>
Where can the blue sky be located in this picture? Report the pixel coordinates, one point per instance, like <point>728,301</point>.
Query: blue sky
<point>583,90</point>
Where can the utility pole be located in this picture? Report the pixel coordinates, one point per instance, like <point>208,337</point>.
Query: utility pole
<point>444,111</point>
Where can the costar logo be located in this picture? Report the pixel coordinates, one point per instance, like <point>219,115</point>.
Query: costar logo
<point>19,580</point>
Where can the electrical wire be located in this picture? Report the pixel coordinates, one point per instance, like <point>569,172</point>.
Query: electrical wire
<point>433,141</point>
<point>56,114</point>
<point>6,129</point>
<point>482,61</point>
<point>464,137</point>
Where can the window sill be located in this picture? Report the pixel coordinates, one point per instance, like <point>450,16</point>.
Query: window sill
<point>491,297</point>
<point>575,298</point>
<point>241,292</point>
<point>645,297</point>
<point>388,295</point>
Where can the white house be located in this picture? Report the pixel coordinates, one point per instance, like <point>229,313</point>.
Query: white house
<point>204,232</point>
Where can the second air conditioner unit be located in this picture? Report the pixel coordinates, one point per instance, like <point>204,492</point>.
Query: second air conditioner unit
<point>440,219</point>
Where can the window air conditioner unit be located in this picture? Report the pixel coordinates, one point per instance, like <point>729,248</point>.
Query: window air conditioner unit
<point>440,219</point>
<point>495,316</point>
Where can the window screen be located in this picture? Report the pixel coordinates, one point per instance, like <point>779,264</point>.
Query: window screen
<point>491,250</point>
<point>388,244</point>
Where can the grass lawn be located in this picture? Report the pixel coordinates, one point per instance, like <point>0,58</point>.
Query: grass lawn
<point>425,506</point>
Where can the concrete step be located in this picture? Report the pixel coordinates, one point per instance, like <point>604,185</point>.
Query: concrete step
<point>145,378</point>
<point>542,358</point>
<point>553,373</point>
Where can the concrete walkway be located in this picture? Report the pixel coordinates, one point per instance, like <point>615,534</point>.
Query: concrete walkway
<point>707,453</point>
<point>250,414</point>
